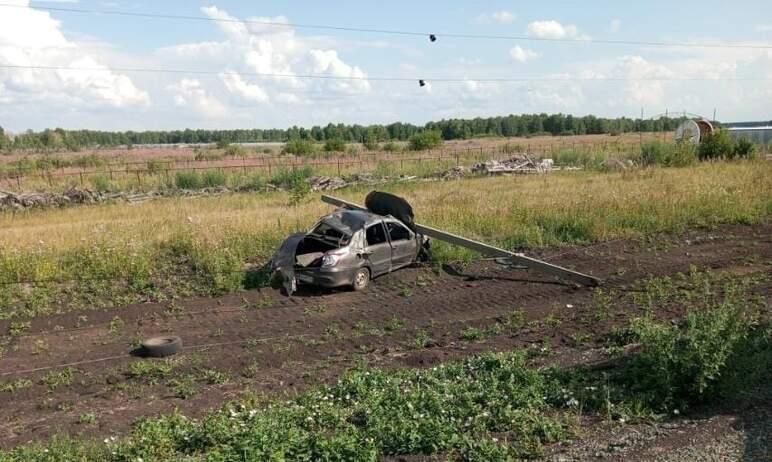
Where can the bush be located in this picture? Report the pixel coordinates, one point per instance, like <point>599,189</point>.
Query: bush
<point>371,145</point>
<point>235,150</point>
<point>429,139</point>
<point>155,166</point>
<point>299,147</point>
<point>253,182</point>
<point>667,155</point>
<point>681,365</point>
<point>288,178</point>
<point>188,180</point>
<point>392,147</point>
<point>101,183</point>
<point>89,161</point>
<point>223,144</point>
<point>718,145</point>
<point>206,154</point>
<point>213,178</point>
<point>744,149</point>
<point>334,145</point>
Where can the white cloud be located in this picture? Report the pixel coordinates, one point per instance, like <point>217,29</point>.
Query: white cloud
<point>236,85</point>
<point>190,93</point>
<point>615,26</point>
<point>250,47</point>
<point>522,54</point>
<point>500,17</point>
<point>30,37</point>
<point>552,29</point>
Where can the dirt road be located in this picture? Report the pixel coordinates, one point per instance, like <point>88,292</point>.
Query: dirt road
<point>82,380</point>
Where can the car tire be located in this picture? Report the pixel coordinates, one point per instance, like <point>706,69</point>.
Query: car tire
<point>361,279</point>
<point>160,347</point>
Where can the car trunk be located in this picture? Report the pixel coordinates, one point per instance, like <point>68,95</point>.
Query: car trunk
<point>310,251</point>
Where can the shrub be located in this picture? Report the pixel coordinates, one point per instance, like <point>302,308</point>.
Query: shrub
<point>744,149</point>
<point>668,155</point>
<point>253,182</point>
<point>334,145</point>
<point>391,147</point>
<point>299,147</point>
<point>287,178</point>
<point>718,145</point>
<point>678,365</point>
<point>213,178</point>
<point>154,166</point>
<point>206,154</point>
<point>91,160</point>
<point>371,145</point>
<point>101,183</point>
<point>235,150</point>
<point>299,190</point>
<point>429,139</point>
<point>188,180</point>
<point>223,144</point>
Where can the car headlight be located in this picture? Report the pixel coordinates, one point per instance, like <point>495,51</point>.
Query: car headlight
<point>330,260</point>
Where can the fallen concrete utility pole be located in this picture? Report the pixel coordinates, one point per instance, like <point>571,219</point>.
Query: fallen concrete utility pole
<point>512,258</point>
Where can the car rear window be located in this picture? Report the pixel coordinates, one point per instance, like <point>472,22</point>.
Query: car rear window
<point>330,234</point>
<point>375,234</point>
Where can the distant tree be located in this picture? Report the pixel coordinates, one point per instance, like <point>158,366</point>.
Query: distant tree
<point>334,145</point>
<point>429,139</point>
<point>299,147</point>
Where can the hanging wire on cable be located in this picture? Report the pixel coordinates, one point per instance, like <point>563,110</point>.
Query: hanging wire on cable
<point>432,36</point>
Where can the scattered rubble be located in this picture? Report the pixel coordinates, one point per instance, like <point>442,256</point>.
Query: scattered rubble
<point>455,173</point>
<point>517,164</point>
<point>326,183</point>
<point>10,201</point>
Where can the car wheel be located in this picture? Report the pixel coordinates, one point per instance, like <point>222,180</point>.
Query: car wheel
<point>361,279</point>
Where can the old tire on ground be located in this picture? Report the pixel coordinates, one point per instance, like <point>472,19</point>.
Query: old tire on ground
<point>361,279</point>
<point>160,347</point>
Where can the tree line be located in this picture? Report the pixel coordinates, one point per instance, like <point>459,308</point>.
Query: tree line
<point>450,129</point>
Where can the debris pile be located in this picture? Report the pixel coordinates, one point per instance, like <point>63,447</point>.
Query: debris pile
<point>455,173</point>
<point>22,201</point>
<point>326,183</point>
<point>517,164</point>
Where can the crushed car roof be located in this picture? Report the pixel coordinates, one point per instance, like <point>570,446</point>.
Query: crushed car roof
<point>350,221</point>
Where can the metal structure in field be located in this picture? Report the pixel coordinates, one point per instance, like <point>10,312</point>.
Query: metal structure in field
<point>505,256</point>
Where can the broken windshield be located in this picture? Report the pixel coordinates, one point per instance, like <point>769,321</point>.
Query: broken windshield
<point>330,234</point>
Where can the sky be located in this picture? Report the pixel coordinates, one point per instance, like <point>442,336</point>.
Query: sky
<point>94,84</point>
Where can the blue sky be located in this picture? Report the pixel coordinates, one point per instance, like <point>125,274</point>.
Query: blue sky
<point>82,97</point>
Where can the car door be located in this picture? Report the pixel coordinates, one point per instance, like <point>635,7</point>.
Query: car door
<point>403,244</point>
<point>378,249</point>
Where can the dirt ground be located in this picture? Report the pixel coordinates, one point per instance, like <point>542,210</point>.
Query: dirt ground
<point>259,342</point>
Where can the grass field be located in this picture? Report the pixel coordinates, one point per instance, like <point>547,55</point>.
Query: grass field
<point>119,253</point>
<point>157,169</point>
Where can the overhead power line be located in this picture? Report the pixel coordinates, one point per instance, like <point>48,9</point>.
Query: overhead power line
<point>432,35</point>
<point>421,81</point>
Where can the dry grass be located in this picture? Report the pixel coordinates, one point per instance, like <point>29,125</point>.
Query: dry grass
<point>485,207</point>
<point>147,245</point>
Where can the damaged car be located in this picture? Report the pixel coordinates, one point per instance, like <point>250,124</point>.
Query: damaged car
<point>347,248</point>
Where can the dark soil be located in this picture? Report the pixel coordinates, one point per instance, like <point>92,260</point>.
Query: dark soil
<point>266,344</point>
